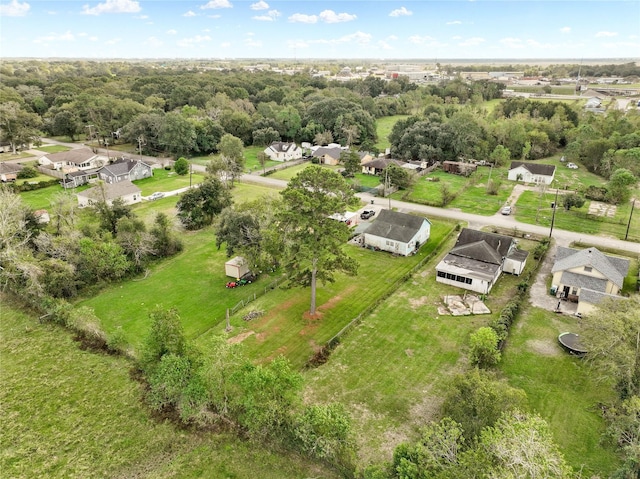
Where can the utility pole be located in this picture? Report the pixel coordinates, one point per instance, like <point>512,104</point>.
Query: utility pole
<point>626,235</point>
<point>140,143</point>
<point>190,173</point>
<point>90,132</point>
<point>106,143</point>
<point>553,216</point>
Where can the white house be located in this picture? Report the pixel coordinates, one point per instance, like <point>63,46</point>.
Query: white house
<point>281,151</point>
<point>588,276</point>
<point>397,233</point>
<point>125,169</point>
<point>531,172</point>
<point>478,259</point>
<point>73,160</point>
<point>125,190</point>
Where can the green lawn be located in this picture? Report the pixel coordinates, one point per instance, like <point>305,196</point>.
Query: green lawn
<point>11,156</point>
<point>560,388</point>
<point>68,413</point>
<point>250,156</point>
<point>53,148</point>
<point>285,329</point>
<point>163,180</point>
<point>384,126</point>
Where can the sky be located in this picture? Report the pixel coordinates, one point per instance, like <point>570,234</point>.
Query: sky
<point>396,29</point>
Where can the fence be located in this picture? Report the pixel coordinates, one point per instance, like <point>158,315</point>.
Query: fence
<point>323,355</point>
<point>50,172</point>
<point>253,297</point>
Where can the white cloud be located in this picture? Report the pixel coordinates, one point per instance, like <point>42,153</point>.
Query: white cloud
<point>190,42</point>
<point>14,9</point>
<point>472,42</point>
<point>142,17</point>
<point>392,38</point>
<point>633,37</point>
<point>401,12</point>
<point>113,41</point>
<point>112,6</point>
<point>294,44</point>
<point>225,44</point>
<point>93,39</point>
<point>565,30</point>
<point>360,38</point>
<point>171,32</point>
<point>153,42</point>
<point>302,18</point>
<point>454,22</point>
<point>189,14</point>
<point>214,16</point>
<point>457,37</point>
<point>512,42</point>
<point>329,16</point>
<point>216,4</point>
<point>384,45</point>
<point>606,34</point>
<point>55,37</point>
<point>269,17</point>
<point>417,39</point>
<point>251,42</point>
<point>261,5</point>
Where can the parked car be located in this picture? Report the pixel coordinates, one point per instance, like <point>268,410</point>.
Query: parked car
<point>573,166</point>
<point>366,214</point>
<point>506,210</point>
<point>156,196</point>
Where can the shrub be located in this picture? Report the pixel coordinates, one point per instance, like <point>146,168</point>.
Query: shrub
<point>27,172</point>
<point>181,166</point>
<point>483,345</point>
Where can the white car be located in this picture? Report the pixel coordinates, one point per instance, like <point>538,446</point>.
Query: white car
<point>573,166</point>
<point>506,210</point>
<point>156,196</point>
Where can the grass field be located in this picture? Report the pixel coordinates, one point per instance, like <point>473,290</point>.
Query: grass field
<point>163,180</point>
<point>250,156</point>
<point>53,148</point>
<point>68,413</point>
<point>384,126</point>
<point>285,329</point>
<point>560,388</point>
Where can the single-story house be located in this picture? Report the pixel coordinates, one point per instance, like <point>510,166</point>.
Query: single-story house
<point>478,259</point>
<point>281,151</point>
<point>587,276</point>
<point>9,171</point>
<point>537,173</point>
<point>365,157</point>
<point>108,192</point>
<point>72,160</point>
<point>79,178</point>
<point>377,166</point>
<point>125,169</point>
<point>328,155</point>
<point>398,233</point>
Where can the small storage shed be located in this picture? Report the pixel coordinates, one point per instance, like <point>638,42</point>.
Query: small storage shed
<point>236,267</point>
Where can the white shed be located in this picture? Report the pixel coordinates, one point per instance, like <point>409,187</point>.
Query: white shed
<point>236,267</point>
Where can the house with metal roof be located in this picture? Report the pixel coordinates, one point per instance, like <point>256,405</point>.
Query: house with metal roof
<point>478,259</point>
<point>588,276</point>
<point>537,173</point>
<point>396,232</point>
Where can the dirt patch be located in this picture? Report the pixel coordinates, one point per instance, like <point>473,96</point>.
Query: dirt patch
<point>336,299</point>
<point>240,337</point>
<point>409,352</point>
<point>307,316</point>
<point>273,312</point>
<point>418,302</point>
<point>602,209</point>
<point>544,347</point>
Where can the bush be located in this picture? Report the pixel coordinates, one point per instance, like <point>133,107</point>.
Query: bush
<point>181,166</point>
<point>27,172</point>
<point>483,345</point>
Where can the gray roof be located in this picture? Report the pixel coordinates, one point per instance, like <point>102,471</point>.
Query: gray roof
<point>535,168</point>
<point>583,281</point>
<point>79,173</point>
<point>472,267</point>
<point>111,191</point>
<point>518,254</point>
<point>596,297</point>
<point>121,167</point>
<point>479,251</point>
<point>615,269</point>
<point>9,167</point>
<point>333,152</point>
<point>76,156</point>
<point>282,146</point>
<point>500,244</point>
<point>396,226</point>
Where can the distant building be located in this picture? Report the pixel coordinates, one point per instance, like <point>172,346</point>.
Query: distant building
<point>282,151</point>
<point>108,192</point>
<point>537,173</point>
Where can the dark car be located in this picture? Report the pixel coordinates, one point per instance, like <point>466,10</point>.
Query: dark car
<point>366,214</point>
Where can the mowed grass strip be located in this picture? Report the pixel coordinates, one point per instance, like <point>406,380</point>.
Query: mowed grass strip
<point>286,328</point>
<point>393,370</point>
<point>561,388</point>
<point>68,413</point>
<point>164,180</point>
<point>384,126</point>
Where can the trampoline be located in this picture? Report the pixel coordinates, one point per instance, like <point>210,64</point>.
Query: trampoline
<point>571,342</point>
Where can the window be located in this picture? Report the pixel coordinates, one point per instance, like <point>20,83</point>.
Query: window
<point>588,269</point>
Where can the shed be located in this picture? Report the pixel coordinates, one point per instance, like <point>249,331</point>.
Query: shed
<point>236,267</point>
